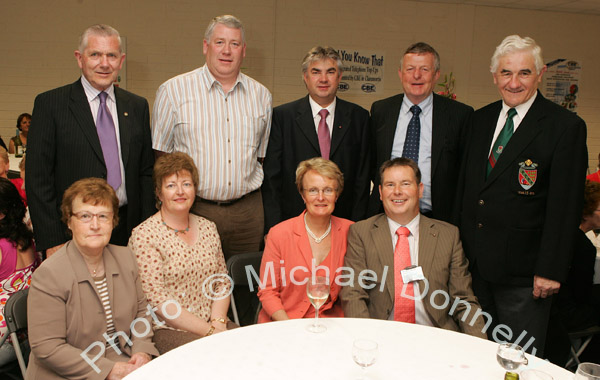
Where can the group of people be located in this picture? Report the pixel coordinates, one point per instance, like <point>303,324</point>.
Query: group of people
<point>232,173</point>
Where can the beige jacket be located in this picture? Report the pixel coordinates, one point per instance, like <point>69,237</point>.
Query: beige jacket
<point>65,314</point>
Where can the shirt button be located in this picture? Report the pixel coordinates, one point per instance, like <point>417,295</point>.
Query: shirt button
<point>229,161</point>
<point>227,119</point>
<point>479,225</point>
<point>229,183</point>
<point>228,140</point>
<point>481,202</point>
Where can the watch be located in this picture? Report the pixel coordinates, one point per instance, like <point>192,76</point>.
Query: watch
<point>222,320</point>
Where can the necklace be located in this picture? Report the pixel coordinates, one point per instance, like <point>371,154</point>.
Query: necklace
<point>174,229</point>
<point>96,270</point>
<point>312,235</point>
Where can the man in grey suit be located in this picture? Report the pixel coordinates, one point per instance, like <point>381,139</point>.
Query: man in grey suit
<point>90,128</point>
<point>417,271</point>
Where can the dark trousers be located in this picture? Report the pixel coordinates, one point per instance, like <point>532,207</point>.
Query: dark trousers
<point>240,224</point>
<point>241,227</point>
<point>514,307</point>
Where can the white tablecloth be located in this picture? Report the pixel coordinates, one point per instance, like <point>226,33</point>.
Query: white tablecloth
<point>286,350</point>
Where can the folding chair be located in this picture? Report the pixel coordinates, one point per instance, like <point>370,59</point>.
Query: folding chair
<point>236,266</point>
<point>15,314</point>
<point>579,342</point>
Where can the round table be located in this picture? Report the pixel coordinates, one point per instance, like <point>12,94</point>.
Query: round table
<point>286,350</point>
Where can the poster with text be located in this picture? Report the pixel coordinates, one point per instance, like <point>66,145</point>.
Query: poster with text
<point>561,83</point>
<point>362,71</point>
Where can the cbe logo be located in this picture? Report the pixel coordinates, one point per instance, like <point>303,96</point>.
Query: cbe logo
<point>343,86</point>
<point>368,87</point>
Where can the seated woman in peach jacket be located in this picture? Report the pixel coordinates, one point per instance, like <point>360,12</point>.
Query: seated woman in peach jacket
<point>293,245</point>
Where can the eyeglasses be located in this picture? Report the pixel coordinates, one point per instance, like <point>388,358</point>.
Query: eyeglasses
<point>313,191</point>
<point>86,217</point>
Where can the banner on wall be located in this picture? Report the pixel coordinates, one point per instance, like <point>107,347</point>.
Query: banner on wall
<point>362,71</point>
<point>562,82</point>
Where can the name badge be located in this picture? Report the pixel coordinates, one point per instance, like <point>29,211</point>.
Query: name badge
<point>412,273</point>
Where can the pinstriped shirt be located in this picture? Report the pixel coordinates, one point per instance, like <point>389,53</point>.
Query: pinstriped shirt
<point>224,133</point>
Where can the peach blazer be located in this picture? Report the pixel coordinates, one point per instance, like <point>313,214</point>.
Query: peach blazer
<point>288,251</point>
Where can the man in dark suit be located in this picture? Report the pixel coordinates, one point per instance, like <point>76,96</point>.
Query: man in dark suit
<point>523,193</point>
<point>299,132</point>
<point>439,136</point>
<point>90,128</point>
<point>419,273</point>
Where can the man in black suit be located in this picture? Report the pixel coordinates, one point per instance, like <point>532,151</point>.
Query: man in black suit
<point>440,133</point>
<point>64,143</point>
<point>523,193</point>
<point>299,132</point>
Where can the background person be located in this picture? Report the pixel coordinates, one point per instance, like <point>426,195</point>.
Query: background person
<point>17,255</point>
<point>87,289</point>
<point>595,176</point>
<point>314,234</point>
<point>19,183</point>
<point>23,122</point>
<point>177,252</point>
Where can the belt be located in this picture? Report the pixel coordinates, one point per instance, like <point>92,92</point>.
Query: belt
<point>224,203</point>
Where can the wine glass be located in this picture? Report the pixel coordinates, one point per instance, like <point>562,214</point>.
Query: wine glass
<point>511,356</point>
<point>534,374</point>
<point>364,353</point>
<point>317,289</point>
<point>587,371</point>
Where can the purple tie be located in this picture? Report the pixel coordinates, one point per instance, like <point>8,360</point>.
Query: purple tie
<point>324,137</point>
<point>108,141</point>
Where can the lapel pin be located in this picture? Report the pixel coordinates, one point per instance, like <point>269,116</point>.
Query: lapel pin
<point>433,234</point>
<point>340,127</point>
<point>125,113</point>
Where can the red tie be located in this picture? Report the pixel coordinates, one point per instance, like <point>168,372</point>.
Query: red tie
<point>323,133</point>
<point>404,307</point>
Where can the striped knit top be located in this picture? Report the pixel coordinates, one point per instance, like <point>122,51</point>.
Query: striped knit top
<point>100,283</point>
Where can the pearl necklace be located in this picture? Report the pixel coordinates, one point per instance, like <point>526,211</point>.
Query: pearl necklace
<point>312,235</point>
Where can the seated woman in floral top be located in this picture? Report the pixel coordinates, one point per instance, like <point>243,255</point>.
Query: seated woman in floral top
<point>180,259</point>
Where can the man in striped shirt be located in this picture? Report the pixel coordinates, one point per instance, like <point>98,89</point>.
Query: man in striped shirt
<point>221,118</point>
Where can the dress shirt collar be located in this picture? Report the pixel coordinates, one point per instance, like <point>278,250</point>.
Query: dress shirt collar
<point>92,93</point>
<point>426,105</point>
<point>522,108</point>
<point>413,226</point>
<point>315,107</point>
<point>211,82</point>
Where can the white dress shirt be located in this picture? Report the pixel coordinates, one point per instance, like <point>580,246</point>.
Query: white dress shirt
<point>522,110</point>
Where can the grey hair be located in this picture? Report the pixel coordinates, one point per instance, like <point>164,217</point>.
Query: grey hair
<point>227,20</point>
<point>423,48</point>
<point>98,30</point>
<point>515,43</point>
<point>318,53</point>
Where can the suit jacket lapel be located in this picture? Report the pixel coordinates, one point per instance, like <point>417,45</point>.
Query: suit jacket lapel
<point>123,112</point>
<point>439,130</point>
<point>428,234</point>
<point>526,132</point>
<point>80,107</point>
<point>384,249</point>
<point>341,123</point>
<point>388,130</point>
<point>306,123</point>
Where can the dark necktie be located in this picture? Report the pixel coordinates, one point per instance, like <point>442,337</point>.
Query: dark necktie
<point>108,140</point>
<point>413,136</point>
<point>323,133</point>
<point>501,141</point>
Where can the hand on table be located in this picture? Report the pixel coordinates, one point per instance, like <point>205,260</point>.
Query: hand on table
<point>139,359</point>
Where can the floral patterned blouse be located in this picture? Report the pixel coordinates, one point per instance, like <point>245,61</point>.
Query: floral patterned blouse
<point>170,269</point>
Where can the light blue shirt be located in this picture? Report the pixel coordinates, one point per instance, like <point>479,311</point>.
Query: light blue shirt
<point>426,119</point>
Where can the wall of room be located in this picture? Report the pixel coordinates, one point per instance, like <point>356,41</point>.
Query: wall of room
<point>164,38</point>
